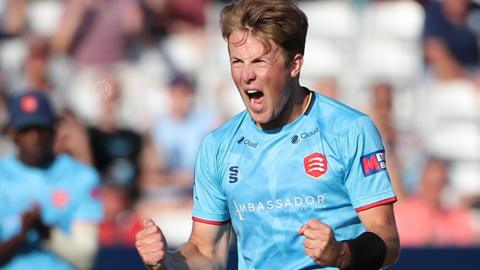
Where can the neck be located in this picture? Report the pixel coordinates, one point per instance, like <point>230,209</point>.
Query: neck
<point>44,162</point>
<point>296,105</point>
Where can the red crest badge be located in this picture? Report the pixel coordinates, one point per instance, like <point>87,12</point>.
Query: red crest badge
<point>315,165</point>
<point>60,198</point>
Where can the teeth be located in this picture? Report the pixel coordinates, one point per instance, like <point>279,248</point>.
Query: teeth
<point>251,91</point>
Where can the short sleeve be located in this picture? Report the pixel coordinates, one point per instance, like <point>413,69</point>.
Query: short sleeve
<point>367,180</point>
<point>209,200</point>
<point>89,206</point>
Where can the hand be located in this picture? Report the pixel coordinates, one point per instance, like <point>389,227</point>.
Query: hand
<point>72,138</point>
<point>151,245</point>
<point>320,245</point>
<point>30,218</point>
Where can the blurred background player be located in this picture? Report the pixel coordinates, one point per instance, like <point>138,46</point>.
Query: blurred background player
<point>428,219</point>
<point>50,203</point>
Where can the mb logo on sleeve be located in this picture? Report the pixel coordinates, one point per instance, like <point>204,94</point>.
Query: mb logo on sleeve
<point>373,163</point>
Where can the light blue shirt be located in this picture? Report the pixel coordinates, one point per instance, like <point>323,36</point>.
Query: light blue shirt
<point>179,139</point>
<point>65,192</point>
<point>328,164</point>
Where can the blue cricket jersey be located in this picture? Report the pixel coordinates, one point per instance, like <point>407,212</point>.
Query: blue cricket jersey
<point>65,192</point>
<point>328,164</point>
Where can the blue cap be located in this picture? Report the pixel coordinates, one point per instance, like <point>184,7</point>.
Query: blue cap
<point>31,109</point>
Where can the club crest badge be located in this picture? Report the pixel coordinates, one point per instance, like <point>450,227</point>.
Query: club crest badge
<point>60,198</point>
<point>315,165</point>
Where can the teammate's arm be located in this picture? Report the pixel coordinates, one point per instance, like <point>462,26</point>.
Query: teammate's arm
<point>8,248</point>
<point>81,242</point>
<point>207,248</point>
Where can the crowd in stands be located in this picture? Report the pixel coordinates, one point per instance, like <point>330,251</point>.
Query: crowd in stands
<point>138,83</point>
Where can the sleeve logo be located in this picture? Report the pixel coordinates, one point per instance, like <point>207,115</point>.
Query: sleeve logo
<point>373,163</point>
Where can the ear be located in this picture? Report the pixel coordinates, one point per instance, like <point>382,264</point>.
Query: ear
<point>296,65</point>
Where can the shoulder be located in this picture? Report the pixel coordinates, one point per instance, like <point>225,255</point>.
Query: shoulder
<point>220,139</point>
<point>5,160</point>
<point>10,164</point>
<point>228,129</point>
<point>69,165</point>
<point>336,117</point>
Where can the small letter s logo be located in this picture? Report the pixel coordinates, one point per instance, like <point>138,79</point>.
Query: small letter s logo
<point>233,174</point>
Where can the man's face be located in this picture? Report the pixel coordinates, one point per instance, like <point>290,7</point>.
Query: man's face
<point>181,97</point>
<point>262,78</point>
<point>35,144</point>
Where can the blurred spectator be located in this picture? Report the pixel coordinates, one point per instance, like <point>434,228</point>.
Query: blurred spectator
<point>49,217</point>
<point>162,17</point>
<point>187,14</point>
<point>425,219</point>
<point>36,64</point>
<point>116,151</point>
<point>98,32</point>
<point>121,222</point>
<point>156,19</point>
<point>328,86</point>
<point>381,113</point>
<point>72,138</point>
<point>13,19</point>
<point>6,144</point>
<point>167,167</point>
<point>177,135</point>
<point>451,46</point>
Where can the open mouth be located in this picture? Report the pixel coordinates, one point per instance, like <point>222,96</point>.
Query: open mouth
<point>255,96</point>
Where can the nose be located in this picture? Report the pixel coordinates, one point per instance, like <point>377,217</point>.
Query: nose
<point>248,75</point>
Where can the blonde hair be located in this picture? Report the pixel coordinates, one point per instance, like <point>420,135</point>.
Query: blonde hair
<point>280,21</point>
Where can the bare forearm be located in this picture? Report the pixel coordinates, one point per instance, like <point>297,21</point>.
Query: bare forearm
<point>188,257</point>
<point>391,241</point>
<point>73,17</point>
<point>393,250</point>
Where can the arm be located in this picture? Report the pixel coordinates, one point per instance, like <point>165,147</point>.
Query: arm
<point>82,235</point>
<point>206,248</point>
<point>442,61</point>
<point>73,139</point>
<point>9,247</point>
<point>81,242</point>
<point>381,221</point>
<point>71,21</point>
<point>320,243</point>
<point>14,19</point>
<point>30,220</point>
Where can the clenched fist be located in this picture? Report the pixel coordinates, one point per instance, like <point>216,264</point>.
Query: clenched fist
<point>151,245</point>
<point>320,245</point>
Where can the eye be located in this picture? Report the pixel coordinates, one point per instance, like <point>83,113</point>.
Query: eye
<point>234,61</point>
<point>261,61</point>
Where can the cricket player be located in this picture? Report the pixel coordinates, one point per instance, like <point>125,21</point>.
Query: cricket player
<point>49,204</point>
<point>301,178</point>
